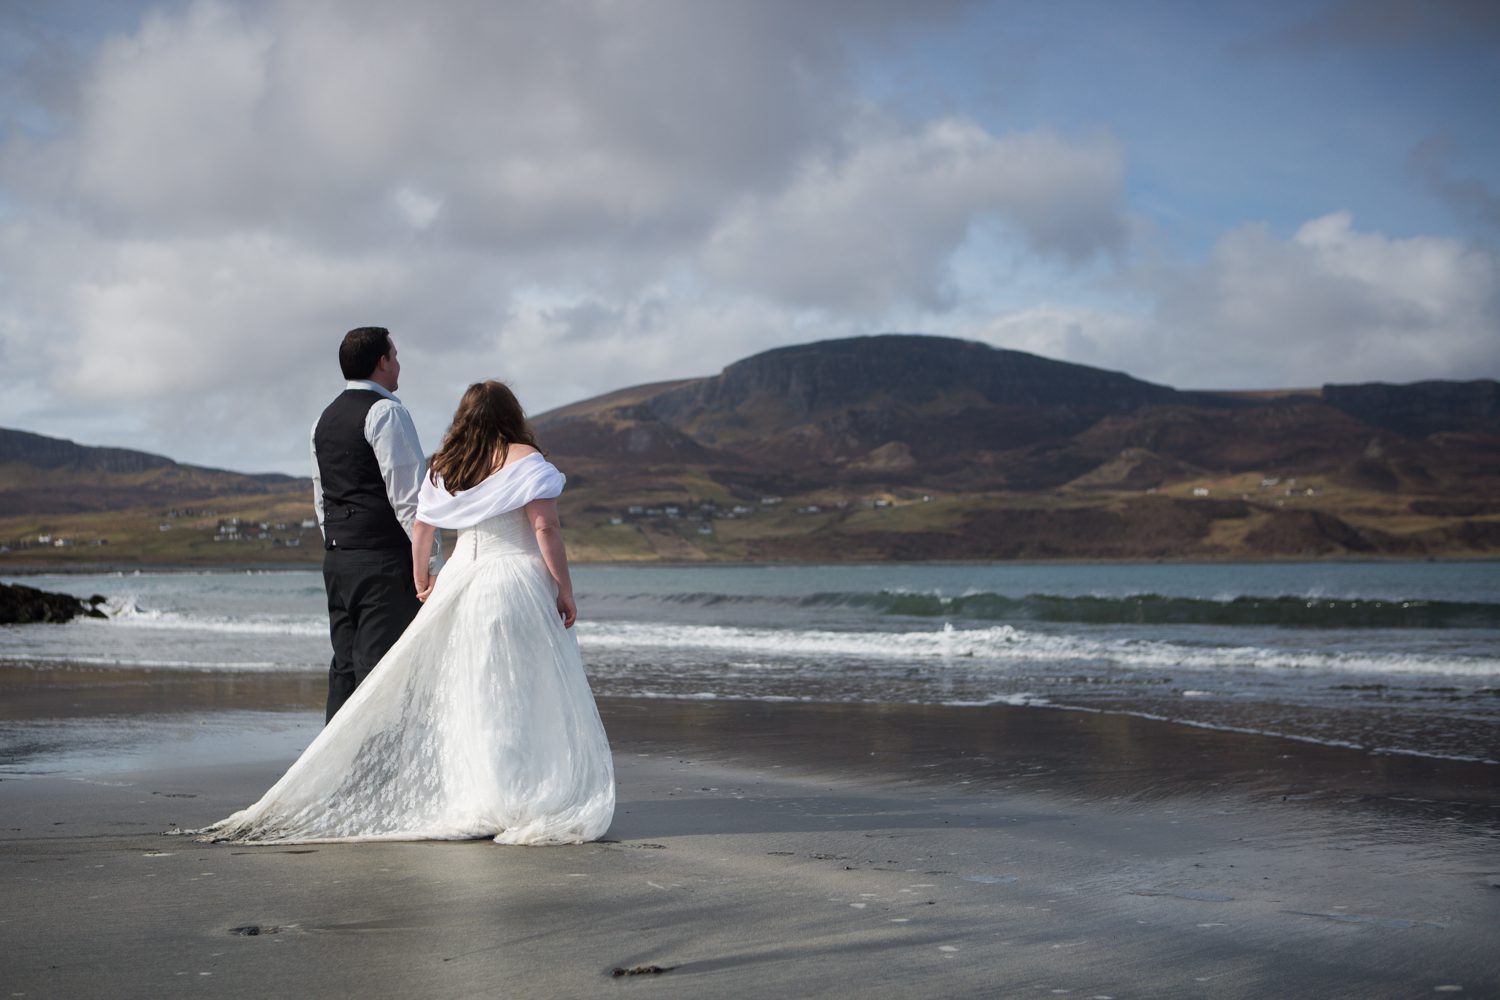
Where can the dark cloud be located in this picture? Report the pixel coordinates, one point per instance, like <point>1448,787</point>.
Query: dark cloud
<point>1393,24</point>
<point>1471,200</point>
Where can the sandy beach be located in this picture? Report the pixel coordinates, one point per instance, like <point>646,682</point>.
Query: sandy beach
<point>759,850</point>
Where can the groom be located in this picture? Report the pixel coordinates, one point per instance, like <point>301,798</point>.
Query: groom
<point>367,468</point>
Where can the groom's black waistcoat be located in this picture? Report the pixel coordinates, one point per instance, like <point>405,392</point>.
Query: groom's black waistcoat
<point>357,514</point>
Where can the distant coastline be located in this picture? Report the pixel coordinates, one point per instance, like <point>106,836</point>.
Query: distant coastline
<point>126,569</point>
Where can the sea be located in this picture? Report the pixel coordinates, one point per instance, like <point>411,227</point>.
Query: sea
<point>1389,657</point>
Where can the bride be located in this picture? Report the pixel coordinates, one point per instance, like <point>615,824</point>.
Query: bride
<point>479,721</point>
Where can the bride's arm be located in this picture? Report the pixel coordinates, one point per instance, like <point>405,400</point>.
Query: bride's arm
<point>421,555</point>
<point>543,517</point>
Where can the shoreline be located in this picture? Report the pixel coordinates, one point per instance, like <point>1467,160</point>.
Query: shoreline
<point>1107,755</point>
<point>131,568</point>
<point>39,688</point>
<point>764,849</point>
<point>50,687</point>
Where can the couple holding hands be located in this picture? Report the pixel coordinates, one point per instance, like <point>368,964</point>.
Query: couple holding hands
<point>457,707</point>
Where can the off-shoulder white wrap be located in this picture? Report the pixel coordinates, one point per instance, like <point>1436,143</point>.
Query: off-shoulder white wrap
<point>512,487</point>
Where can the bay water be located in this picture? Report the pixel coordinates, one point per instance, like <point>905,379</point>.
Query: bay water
<point>1391,657</point>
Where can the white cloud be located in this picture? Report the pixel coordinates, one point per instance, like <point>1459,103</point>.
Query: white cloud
<point>560,124</point>
<point>877,223</point>
<point>1332,304</point>
<point>1084,335</point>
<point>240,330</point>
<point>562,351</point>
<point>159,319</point>
<point>218,192</point>
<point>169,116</point>
<point>418,209</point>
<point>584,195</point>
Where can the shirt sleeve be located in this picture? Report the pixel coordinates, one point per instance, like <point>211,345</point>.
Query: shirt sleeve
<point>393,437</point>
<point>317,478</point>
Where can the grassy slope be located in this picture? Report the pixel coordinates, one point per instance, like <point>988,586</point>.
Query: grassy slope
<point>1239,519</point>
<point>134,534</point>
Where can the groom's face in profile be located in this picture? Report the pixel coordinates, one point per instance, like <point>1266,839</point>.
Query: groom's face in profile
<point>387,372</point>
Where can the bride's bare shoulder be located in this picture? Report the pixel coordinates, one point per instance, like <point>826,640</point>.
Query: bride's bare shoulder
<point>519,450</point>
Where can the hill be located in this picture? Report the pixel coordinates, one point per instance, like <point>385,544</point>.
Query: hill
<point>872,408</point>
<point>63,503</point>
<point>926,447</point>
<point>889,447</point>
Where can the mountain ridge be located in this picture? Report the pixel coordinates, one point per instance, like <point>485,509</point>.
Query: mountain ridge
<point>897,446</point>
<point>950,408</point>
<point>40,475</point>
<point>1018,456</point>
<point>58,453</point>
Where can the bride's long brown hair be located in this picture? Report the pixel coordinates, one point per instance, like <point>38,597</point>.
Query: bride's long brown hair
<point>489,418</point>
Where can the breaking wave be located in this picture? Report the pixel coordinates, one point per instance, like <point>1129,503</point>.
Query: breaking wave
<point>1145,609</point>
<point>1006,644</point>
<point>125,611</point>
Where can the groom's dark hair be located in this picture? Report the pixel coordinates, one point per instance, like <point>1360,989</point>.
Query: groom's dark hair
<point>362,349</point>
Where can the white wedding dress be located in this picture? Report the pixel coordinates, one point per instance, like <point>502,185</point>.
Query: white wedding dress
<point>478,722</point>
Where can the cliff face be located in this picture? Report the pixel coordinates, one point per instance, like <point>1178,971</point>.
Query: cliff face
<point>964,415</point>
<point>842,408</point>
<point>56,453</point>
<point>1421,408</point>
<point>906,370</point>
<point>931,414</point>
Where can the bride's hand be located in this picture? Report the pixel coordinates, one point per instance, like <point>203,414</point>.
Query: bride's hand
<point>567,609</point>
<point>424,587</point>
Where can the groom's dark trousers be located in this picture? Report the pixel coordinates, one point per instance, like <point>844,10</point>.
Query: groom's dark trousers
<point>366,551</point>
<point>371,600</point>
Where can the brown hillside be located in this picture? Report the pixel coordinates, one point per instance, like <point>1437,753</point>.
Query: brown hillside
<point>870,448</point>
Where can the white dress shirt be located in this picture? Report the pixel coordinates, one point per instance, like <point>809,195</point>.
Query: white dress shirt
<point>393,437</point>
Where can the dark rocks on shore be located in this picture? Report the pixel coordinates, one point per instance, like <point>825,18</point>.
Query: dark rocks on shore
<point>21,605</point>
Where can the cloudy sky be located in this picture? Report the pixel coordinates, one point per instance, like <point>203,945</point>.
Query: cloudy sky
<point>198,198</point>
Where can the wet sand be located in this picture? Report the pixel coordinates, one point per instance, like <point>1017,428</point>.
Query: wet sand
<point>767,850</point>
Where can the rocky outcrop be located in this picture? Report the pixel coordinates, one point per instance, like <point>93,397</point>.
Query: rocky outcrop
<point>1421,408</point>
<point>896,404</point>
<point>1315,533</point>
<point>913,371</point>
<point>20,605</point>
<point>56,453</point>
<point>903,410</point>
